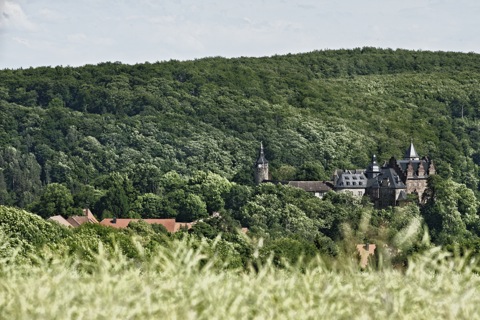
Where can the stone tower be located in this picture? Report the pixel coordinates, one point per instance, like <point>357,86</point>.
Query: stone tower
<point>261,167</point>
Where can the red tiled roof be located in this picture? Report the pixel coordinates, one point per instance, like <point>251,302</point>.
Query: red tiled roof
<point>169,224</point>
<point>119,223</point>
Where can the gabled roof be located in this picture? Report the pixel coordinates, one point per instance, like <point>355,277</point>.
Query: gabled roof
<point>403,164</point>
<point>77,221</point>
<point>90,216</point>
<point>411,153</point>
<point>387,178</point>
<point>311,186</point>
<point>61,220</point>
<point>351,179</point>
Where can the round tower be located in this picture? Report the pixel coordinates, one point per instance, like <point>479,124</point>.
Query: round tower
<point>261,167</point>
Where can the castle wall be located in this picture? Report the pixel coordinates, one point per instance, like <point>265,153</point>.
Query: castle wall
<point>416,185</point>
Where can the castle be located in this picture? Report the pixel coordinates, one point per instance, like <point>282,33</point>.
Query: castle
<point>386,185</point>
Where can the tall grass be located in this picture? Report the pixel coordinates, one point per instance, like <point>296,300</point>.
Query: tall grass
<point>179,283</point>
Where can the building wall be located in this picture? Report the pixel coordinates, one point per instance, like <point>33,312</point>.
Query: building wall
<point>261,173</point>
<point>388,197</point>
<point>356,192</point>
<point>416,185</point>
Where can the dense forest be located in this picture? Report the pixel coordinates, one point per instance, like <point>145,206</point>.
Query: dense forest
<point>178,139</point>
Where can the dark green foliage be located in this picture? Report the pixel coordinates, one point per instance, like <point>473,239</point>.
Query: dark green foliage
<point>151,206</point>
<point>29,232</point>
<point>119,196</point>
<point>55,200</point>
<point>168,139</point>
<point>451,212</point>
<point>315,112</point>
<point>287,250</point>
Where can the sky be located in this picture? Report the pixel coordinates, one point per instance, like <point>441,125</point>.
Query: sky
<point>78,32</point>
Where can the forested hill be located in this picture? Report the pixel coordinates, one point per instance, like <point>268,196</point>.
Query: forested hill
<point>314,112</point>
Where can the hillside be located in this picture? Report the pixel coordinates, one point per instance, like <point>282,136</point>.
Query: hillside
<point>178,139</point>
<point>325,109</point>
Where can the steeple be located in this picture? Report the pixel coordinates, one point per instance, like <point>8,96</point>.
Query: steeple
<point>261,167</point>
<point>411,153</point>
<point>261,158</point>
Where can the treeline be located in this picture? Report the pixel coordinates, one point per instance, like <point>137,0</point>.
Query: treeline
<point>178,139</point>
<point>284,224</point>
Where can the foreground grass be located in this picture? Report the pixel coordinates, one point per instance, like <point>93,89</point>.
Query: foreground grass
<point>179,284</point>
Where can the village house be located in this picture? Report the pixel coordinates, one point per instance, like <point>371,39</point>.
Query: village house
<point>75,221</point>
<point>170,224</point>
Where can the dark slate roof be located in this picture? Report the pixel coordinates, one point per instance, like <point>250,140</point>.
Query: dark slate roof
<point>350,179</point>
<point>312,186</point>
<point>387,178</point>
<point>403,164</point>
<point>261,158</point>
<point>411,153</point>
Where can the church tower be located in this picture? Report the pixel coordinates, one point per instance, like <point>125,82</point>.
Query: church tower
<point>261,167</point>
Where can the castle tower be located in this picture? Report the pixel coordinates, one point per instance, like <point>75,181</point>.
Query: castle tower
<point>373,170</point>
<point>411,153</point>
<point>261,167</point>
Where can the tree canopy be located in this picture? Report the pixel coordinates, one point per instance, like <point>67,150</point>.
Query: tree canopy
<point>178,139</point>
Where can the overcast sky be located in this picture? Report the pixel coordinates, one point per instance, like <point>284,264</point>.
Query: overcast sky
<point>78,32</point>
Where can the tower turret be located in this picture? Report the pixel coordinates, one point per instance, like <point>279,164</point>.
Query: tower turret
<point>411,153</point>
<point>261,167</point>
<point>373,168</point>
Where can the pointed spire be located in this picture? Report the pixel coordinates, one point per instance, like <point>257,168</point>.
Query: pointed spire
<point>261,157</point>
<point>411,153</point>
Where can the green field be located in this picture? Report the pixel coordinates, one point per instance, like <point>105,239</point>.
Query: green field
<point>178,283</point>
